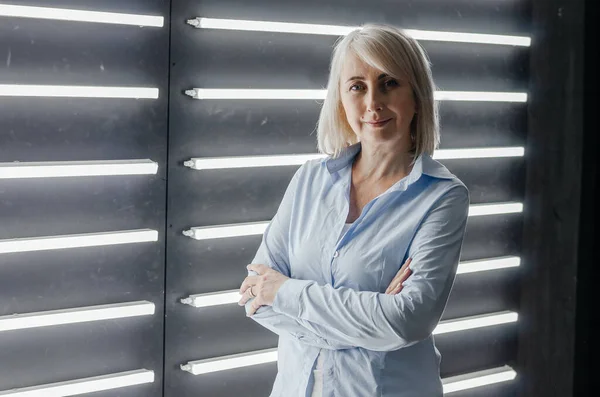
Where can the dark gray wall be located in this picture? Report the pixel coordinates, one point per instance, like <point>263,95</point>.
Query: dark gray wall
<point>35,51</point>
<point>557,175</point>
<point>45,129</point>
<point>214,128</point>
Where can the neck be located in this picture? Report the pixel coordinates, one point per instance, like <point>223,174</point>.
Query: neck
<point>377,162</point>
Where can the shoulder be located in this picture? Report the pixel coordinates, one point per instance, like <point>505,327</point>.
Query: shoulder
<point>312,168</point>
<point>442,175</point>
<point>446,187</point>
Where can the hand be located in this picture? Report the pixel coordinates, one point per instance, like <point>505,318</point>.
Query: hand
<point>264,287</point>
<point>396,285</point>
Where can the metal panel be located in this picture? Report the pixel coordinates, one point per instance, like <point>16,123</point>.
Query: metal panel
<point>39,51</point>
<point>217,128</point>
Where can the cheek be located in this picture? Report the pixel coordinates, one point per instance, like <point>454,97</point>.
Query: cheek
<point>405,109</point>
<point>351,111</point>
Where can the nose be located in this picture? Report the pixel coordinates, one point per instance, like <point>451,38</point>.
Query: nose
<point>374,101</point>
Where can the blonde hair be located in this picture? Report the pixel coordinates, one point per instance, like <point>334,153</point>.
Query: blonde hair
<point>395,53</point>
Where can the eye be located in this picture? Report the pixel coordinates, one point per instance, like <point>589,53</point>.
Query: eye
<point>391,83</point>
<point>354,85</point>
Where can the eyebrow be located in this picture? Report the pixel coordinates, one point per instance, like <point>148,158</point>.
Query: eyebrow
<point>381,76</point>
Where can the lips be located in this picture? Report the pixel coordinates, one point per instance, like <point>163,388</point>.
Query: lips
<point>378,123</point>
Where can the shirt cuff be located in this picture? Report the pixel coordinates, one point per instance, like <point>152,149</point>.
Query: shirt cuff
<point>287,299</point>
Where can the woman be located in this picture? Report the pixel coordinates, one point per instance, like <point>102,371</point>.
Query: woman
<point>331,276</point>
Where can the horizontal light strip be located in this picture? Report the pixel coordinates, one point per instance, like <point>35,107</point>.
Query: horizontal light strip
<point>233,296</point>
<point>83,386</point>
<point>63,14</point>
<point>478,379</point>
<point>232,230</point>
<point>29,244</point>
<point>488,264</point>
<point>456,383</point>
<point>230,362</point>
<point>495,209</point>
<point>485,320</point>
<point>479,153</point>
<point>213,163</point>
<point>481,96</point>
<point>305,28</point>
<point>53,169</point>
<point>255,228</point>
<point>77,315</point>
<point>24,90</point>
<point>213,298</point>
<point>243,93</point>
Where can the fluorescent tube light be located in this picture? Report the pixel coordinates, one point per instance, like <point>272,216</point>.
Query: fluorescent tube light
<point>488,264</point>
<point>485,320</point>
<point>212,163</point>
<point>255,228</point>
<point>336,30</point>
<point>223,231</point>
<point>495,209</point>
<point>76,315</point>
<point>242,93</point>
<point>478,153</point>
<point>63,14</point>
<point>53,169</point>
<point>213,298</point>
<point>233,296</point>
<point>235,93</point>
<point>29,244</point>
<point>480,96</point>
<point>478,379</point>
<point>84,386</point>
<point>230,362</point>
<point>27,90</point>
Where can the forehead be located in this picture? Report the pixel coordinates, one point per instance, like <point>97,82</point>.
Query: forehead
<point>354,66</point>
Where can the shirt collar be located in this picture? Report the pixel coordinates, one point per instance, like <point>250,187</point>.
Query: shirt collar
<point>424,164</point>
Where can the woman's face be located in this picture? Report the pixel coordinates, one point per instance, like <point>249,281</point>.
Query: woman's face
<point>370,96</point>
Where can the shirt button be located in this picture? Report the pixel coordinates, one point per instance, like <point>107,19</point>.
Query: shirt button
<point>336,254</point>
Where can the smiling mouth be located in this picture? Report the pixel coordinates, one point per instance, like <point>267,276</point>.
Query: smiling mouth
<point>379,124</point>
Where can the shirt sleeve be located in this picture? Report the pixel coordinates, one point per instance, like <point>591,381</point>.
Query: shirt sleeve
<point>273,252</point>
<point>382,322</point>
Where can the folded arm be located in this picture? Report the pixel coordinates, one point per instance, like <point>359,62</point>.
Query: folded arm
<point>273,253</point>
<point>382,322</point>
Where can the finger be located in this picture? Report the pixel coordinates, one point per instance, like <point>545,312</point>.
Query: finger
<point>398,281</point>
<point>399,276</point>
<point>258,268</point>
<point>406,264</point>
<point>247,283</point>
<point>245,297</point>
<point>253,307</point>
<point>394,288</point>
<point>400,285</point>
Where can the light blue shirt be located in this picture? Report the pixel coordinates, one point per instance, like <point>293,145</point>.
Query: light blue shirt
<point>334,302</point>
